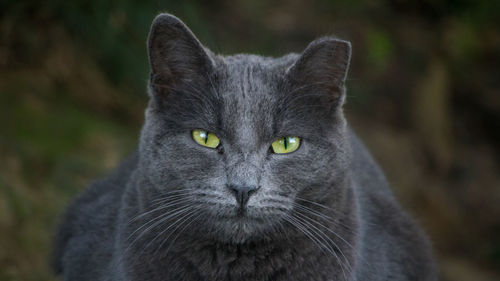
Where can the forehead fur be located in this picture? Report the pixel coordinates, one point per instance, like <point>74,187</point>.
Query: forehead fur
<point>250,87</point>
<point>248,97</point>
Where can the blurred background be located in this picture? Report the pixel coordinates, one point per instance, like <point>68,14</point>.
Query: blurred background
<point>423,93</point>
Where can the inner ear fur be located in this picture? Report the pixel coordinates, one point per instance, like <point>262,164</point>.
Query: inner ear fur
<point>175,54</point>
<point>323,66</point>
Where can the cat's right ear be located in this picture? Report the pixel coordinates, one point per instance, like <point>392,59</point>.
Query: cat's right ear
<point>175,54</point>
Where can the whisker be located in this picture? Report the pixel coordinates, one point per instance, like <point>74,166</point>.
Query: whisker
<point>162,207</point>
<point>328,229</point>
<point>179,211</point>
<point>328,218</point>
<point>321,244</point>
<point>170,199</point>
<point>306,220</point>
<point>180,231</point>
<point>172,193</point>
<point>184,216</point>
<point>316,203</point>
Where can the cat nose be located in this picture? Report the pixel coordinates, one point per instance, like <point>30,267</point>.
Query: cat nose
<point>242,192</point>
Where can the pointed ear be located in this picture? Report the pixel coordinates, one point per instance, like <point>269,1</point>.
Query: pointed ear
<point>175,54</point>
<point>323,65</point>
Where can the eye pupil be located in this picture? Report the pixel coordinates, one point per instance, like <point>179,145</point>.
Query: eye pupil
<point>285,145</point>
<point>205,138</point>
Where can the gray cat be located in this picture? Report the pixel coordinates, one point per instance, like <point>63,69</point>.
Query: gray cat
<point>246,170</point>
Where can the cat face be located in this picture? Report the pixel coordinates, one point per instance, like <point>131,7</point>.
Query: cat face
<point>207,143</point>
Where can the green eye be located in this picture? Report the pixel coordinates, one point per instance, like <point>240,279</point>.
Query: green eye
<point>205,138</point>
<point>285,145</point>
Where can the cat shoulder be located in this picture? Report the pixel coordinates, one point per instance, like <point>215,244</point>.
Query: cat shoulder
<point>89,213</point>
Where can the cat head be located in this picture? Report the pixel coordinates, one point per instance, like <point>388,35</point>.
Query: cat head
<point>240,140</point>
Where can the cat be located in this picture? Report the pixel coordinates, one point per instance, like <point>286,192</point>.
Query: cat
<point>246,169</point>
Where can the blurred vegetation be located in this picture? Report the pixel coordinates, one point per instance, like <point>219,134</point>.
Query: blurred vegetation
<point>424,93</point>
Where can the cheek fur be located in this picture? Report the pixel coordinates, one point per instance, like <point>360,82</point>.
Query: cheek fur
<point>180,159</point>
<point>310,166</point>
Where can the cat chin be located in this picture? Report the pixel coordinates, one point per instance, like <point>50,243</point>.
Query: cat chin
<point>239,229</point>
<point>238,233</point>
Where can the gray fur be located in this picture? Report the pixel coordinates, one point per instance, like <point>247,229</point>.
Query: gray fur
<point>350,226</point>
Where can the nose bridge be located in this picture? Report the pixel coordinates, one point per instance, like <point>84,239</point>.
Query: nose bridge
<point>243,178</point>
<point>243,150</point>
<point>243,170</point>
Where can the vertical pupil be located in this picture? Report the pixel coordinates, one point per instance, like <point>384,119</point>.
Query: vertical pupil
<point>285,142</point>
<point>206,137</point>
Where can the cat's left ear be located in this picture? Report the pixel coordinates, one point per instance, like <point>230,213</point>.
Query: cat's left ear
<point>175,54</point>
<point>323,66</point>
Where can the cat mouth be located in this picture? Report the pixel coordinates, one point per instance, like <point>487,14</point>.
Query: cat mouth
<point>241,211</point>
<point>239,224</point>
<point>242,214</point>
